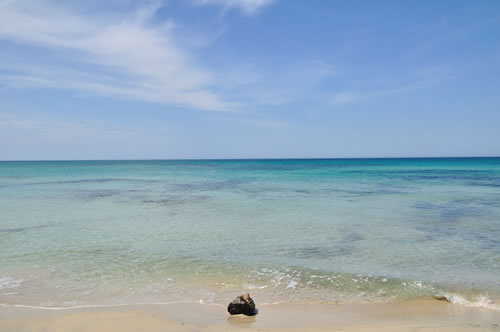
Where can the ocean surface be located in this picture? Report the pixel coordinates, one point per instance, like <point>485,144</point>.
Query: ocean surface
<point>78,233</point>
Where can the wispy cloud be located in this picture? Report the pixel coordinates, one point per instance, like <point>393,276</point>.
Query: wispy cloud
<point>127,56</point>
<point>349,97</point>
<point>131,55</point>
<point>424,78</point>
<point>277,86</point>
<point>247,7</point>
<point>55,130</point>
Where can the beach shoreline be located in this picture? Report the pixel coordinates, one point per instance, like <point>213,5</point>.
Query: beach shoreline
<point>424,314</point>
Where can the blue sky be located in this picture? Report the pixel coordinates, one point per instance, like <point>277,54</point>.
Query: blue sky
<point>248,79</point>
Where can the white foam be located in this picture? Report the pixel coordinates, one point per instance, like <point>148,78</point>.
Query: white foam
<point>292,284</point>
<point>416,284</point>
<point>481,301</point>
<point>84,306</point>
<point>209,298</point>
<point>251,286</point>
<point>7,282</point>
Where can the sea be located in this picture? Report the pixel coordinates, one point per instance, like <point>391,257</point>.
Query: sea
<point>94,233</point>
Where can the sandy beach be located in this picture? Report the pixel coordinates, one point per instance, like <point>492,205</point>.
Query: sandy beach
<point>416,315</point>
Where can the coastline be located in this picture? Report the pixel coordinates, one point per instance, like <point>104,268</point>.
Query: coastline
<point>423,314</point>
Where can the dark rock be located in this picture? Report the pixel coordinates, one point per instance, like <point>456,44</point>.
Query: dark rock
<point>243,304</point>
<point>441,298</point>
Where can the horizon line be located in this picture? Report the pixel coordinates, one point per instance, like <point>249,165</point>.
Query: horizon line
<point>249,159</point>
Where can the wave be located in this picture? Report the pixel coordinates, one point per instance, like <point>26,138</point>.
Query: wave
<point>480,301</point>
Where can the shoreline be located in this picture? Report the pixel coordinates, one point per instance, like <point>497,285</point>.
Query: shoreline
<point>424,314</point>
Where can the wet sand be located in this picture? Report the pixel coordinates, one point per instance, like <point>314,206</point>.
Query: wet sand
<point>417,315</point>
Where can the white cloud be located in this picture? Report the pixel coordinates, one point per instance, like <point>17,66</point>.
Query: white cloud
<point>248,7</point>
<point>131,55</point>
<point>127,56</point>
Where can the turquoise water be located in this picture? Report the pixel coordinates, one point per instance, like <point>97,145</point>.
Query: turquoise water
<point>338,230</point>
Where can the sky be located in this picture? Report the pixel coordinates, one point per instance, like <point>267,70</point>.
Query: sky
<point>189,79</point>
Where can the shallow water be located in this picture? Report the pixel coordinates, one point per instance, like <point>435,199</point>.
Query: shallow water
<point>337,230</point>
